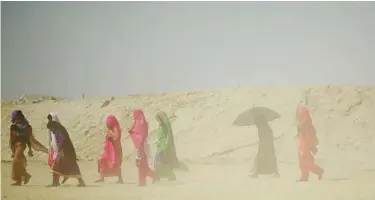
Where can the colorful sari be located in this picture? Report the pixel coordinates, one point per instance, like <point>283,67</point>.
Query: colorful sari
<point>110,161</point>
<point>19,164</point>
<point>307,144</point>
<point>21,135</point>
<point>165,159</point>
<point>139,134</point>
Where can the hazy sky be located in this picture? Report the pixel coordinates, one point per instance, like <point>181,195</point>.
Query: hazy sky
<point>117,48</point>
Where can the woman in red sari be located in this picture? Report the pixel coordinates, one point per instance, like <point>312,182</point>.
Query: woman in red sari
<point>139,134</point>
<point>308,142</point>
<point>109,164</point>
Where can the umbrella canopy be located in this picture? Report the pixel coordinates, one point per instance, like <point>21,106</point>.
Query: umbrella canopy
<point>247,118</point>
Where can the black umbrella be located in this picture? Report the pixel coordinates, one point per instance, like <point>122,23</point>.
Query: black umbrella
<point>247,117</point>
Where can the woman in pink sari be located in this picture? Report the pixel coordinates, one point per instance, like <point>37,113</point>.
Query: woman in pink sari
<point>139,134</point>
<point>109,164</point>
<point>308,142</point>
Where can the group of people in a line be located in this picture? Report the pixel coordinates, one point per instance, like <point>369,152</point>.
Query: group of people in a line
<point>62,157</point>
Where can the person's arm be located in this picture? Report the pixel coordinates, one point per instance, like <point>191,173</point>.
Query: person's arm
<point>116,134</point>
<point>313,140</point>
<point>110,135</point>
<point>10,139</point>
<point>49,140</point>
<point>11,136</point>
<point>298,130</point>
<point>30,138</point>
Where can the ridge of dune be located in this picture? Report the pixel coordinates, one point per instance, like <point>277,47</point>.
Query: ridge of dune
<point>344,117</point>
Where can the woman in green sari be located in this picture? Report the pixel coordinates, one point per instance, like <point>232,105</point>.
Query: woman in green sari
<point>165,159</point>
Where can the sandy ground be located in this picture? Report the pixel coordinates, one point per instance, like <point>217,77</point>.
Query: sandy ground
<point>218,154</point>
<point>202,182</point>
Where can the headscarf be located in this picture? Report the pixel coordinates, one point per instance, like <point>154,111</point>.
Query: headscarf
<point>14,114</point>
<point>164,132</point>
<point>303,116</point>
<point>305,124</point>
<point>51,137</point>
<point>18,113</point>
<point>165,121</point>
<point>52,116</point>
<point>140,124</point>
<point>112,121</point>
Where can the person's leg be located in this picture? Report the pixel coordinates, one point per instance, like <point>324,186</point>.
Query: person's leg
<point>27,178</point>
<point>142,174</point>
<point>316,169</point>
<point>172,175</point>
<point>19,166</point>
<point>151,173</point>
<point>156,176</point>
<point>254,170</point>
<point>55,180</point>
<point>120,180</point>
<point>64,180</point>
<point>304,175</point>
<point>100,170</point>
<point>304,167</point>
<point>157,168</point>
<point>276,173</point>
<point>81,183</point>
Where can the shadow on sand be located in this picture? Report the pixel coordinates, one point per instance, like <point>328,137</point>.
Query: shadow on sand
<point>125,183</point>
<point>61,186</point>
<point>168,183</point>
<point>338,179</point>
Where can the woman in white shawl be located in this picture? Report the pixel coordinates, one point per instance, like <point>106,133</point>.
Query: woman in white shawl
<point>52,145</point>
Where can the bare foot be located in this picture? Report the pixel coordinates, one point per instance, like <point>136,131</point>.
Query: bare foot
<point>81,183</point>
<point>64,180</point>
<point>101,180</point>
<point>53,185</point>
<point>27,179</point>
<point>321,175</point>
<point>18,183</point>
<point>253,176</point>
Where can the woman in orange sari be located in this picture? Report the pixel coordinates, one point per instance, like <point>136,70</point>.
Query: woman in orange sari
<point>21,135</point>
<point>109,164</point>
<point>308,142</point>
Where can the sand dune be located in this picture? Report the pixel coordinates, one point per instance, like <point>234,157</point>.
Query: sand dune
<point>218,154</point>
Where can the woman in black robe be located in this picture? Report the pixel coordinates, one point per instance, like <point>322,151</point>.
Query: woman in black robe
<point>265,161</point>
